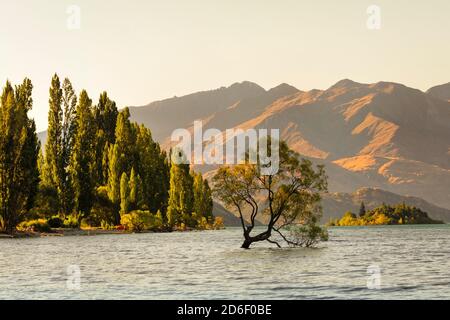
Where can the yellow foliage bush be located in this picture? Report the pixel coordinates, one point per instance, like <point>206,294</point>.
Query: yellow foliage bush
<point>137,221</point>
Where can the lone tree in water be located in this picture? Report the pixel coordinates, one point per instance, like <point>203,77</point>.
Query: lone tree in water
<point>289,198</point>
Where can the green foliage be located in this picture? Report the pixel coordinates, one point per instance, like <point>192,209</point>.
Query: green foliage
<point>97,165</point>
<point>73,221</point>
<point>105,115</point>
<point>60,134</point>
<point>292,197</point>
<point>203,203</point>
<point>82,167</point>
<point>124,195</point>
<point>307,235</point>
<point>19,150</point>
<point>102,212</point>
<point>136,198</point>
<point>153,168</point>
<point>181,196</point>
<point>53,150</point>
<point>47,202</point>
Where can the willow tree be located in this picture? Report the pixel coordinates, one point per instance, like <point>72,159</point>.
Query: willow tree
<point>19,151</point>
<point>289,199</point>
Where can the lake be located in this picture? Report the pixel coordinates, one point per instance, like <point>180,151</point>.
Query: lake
<point>414,263</point>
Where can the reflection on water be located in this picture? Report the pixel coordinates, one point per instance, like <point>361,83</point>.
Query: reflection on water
<point>414,262</point>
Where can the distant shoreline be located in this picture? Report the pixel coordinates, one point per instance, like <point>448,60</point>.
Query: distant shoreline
<point>392,225</point>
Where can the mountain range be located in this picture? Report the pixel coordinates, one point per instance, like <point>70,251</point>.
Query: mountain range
<point>380,136</point>
<point>383,135</point>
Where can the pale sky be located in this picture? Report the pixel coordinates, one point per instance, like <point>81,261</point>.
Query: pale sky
<point>146,50</point>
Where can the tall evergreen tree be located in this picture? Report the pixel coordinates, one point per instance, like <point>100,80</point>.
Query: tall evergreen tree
<point>362,209</point>
<point>82,163</point>
<point>19,150</point>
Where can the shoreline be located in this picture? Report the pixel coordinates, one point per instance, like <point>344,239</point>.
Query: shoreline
<point>392,225</point>
<point>61,233</point>
<point>80,233</point>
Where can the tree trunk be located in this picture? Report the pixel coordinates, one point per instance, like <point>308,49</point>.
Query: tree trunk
<point>246,244</point>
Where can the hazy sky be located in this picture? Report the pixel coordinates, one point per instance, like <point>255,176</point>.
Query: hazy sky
<point>141,50</point>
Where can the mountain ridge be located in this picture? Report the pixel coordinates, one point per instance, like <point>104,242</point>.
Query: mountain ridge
<point>382,135</point>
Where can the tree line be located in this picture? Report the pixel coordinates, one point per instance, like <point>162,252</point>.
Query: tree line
<point>97,167</point>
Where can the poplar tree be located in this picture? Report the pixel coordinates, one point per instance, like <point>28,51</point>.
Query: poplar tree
<point>19,151</point>
<point>203,203</point>
<point>124,194</point>
<point>61,130</point>
<point>105,114</point>
<point>69,126</point>
<point>152,166</point>
<point>181,197</point>
<point>126,140</point>
<point>136,194</point>
<point>82,166</point>
<point>53,152</point>
<point>120,159</point>
<point>114,175</point>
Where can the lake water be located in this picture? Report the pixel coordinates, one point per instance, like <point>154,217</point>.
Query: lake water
<point>414,263</point>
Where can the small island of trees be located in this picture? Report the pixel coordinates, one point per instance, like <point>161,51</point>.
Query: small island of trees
<point>99,170</point>
<point>400,214</point>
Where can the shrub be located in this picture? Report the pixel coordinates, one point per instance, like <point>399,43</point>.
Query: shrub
<point>106,225</point>
<point>39,225</point>
<point>55,222</point>
<point>218,223</point>
<point>137,221</point>
<point>72,221</point>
